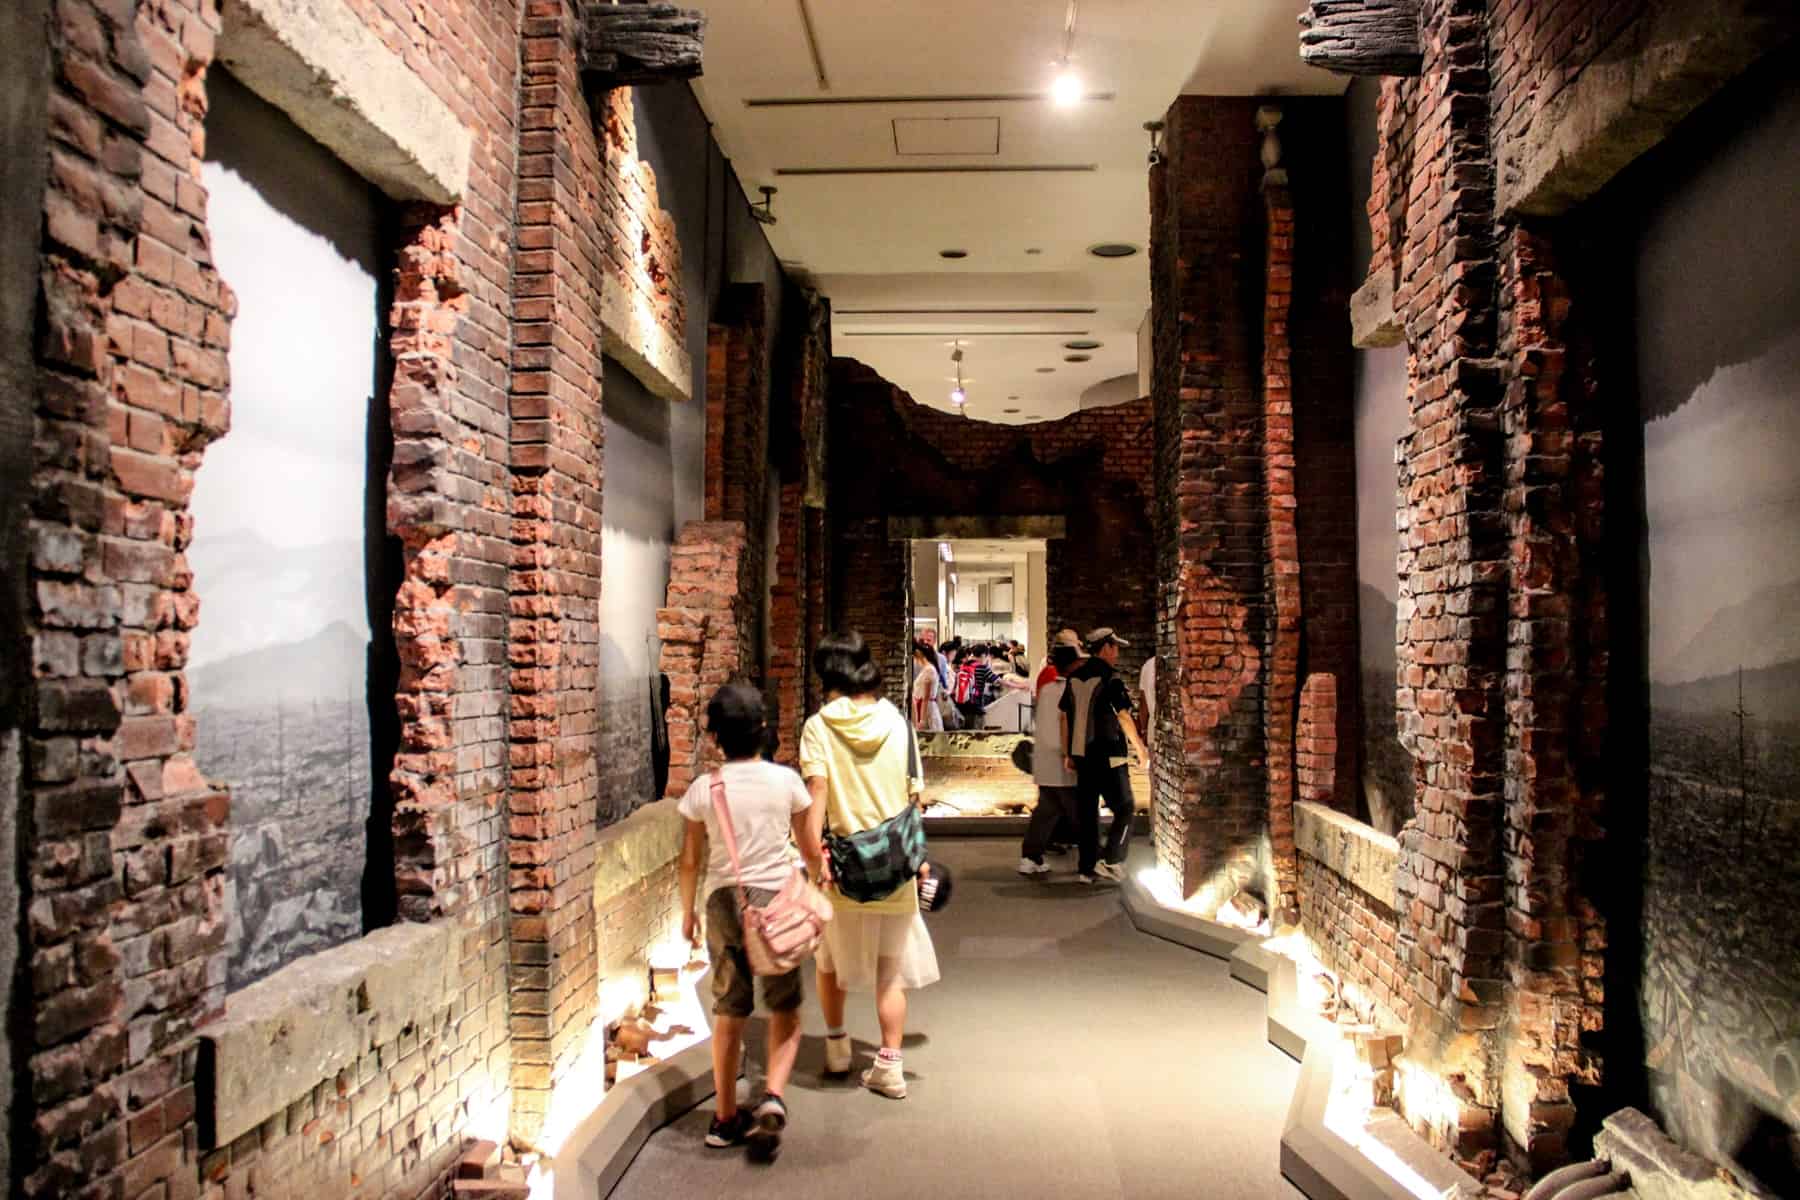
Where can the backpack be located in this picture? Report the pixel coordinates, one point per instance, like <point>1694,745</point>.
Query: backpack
<point>965,684</point>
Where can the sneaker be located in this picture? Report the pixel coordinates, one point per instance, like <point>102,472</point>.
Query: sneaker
<point>1086,879</point>
<point>837,1056</point>
<point>1028,867</point>
<point>763,1142</point>
<point>1112,871</point>
<point>726,1133</point>
<point>886,1078</point>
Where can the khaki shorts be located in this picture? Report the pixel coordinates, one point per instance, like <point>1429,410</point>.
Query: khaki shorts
<point>733,985</point>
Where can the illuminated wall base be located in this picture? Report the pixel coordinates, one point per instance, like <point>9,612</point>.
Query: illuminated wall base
<point>1333,1146</point>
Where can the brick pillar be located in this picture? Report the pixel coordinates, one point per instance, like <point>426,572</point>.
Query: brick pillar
<point>1211,513</point>
<point>737,444</point>
<point>1281,538</point>
<point>701,629</point>
<point>1555,704</point>
<point>1453,563</point>
<point>787,622</point>
<point>555,576</point>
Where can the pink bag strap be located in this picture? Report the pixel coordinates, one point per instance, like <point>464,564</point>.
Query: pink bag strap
<point>729,834</point>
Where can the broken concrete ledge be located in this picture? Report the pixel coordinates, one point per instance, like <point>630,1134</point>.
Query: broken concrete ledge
<point>599,1150</point>
<point>1314,1158</point>
<point>321,64</point>
<point>287,1033</point>
<point>630,851</point>
<point>1348,848</point>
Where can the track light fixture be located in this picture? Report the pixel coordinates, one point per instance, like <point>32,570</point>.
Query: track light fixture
<point>1066,88</point>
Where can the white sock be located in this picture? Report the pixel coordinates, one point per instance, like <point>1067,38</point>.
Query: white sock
<point>886,1055</point>
<point>834,1033</point>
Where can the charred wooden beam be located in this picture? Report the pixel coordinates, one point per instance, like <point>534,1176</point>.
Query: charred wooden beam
<point>1362,37</point>
<point>627,44</point>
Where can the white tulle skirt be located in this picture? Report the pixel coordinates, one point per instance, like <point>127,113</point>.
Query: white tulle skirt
<point>873,951</point>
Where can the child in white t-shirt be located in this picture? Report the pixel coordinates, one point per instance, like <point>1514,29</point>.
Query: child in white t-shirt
<point>766,803</point>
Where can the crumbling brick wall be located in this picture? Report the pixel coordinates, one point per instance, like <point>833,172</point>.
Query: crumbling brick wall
<point>1504,639</point>
<point>494,499</point>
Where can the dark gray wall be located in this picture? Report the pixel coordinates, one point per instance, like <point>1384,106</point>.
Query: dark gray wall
<point>655,449</point>
<point>1715,250</point>
<point>1381,420</point>
<point>24,91</point>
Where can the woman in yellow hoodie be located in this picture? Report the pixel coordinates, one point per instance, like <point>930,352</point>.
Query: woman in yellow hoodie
<point>860,760</point>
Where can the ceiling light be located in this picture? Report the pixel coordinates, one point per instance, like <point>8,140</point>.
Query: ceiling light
<point>1077,357</point>
<point>958,396</point>
<point>1045,370</point>
<point>1113,250</point>
<point>1034,249</point>
<point>1009,410</point>
<point>1065,88</point>
<point>1082,344</point>
<point>953,254</point>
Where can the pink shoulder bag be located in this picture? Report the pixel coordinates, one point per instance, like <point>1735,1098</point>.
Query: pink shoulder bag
<point>782,934</point>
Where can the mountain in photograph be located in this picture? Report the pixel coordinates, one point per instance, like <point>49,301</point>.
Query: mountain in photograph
<point>1377,618</point>
<point>1759,632</point>
<point>255,594</point>
<point>330,665</point>
<point>1770,693</point>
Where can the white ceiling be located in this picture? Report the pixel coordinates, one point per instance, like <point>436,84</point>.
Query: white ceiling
<point>871,241</point>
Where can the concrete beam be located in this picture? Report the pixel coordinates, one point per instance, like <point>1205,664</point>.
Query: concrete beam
<point>1373,322</point>
<point>633,336</point>
<point>947,529</point>
<point>321,64</point>
<point>1667,63</point>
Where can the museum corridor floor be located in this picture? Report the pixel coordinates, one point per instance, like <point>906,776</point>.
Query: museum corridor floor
<point>1048,1062</point>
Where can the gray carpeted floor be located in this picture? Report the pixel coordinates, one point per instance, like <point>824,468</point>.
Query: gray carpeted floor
<point>1063,1054</point>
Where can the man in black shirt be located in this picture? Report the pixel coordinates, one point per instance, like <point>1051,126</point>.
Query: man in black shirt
<point>1097,732</point>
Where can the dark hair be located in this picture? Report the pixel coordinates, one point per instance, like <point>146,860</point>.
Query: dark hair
<point>735,717</point>
<point>1064,657</point>
<point>924,648</point>
<point>843,665</point>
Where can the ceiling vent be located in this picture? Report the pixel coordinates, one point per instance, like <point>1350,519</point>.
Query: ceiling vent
<point>946,135</point>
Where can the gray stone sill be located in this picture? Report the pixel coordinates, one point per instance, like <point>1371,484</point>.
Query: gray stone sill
<point>633,849</point>
<point>283,1035</point>
<point>1314,1158</point>
<point>1366,858</point>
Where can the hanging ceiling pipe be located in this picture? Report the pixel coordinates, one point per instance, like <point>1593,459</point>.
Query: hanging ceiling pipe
<point>812,47</point>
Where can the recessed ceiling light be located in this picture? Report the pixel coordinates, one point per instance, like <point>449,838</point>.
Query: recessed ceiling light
<point>954,253</point>
<point>1012,397</point>
<point>1045,370</point>
<point>1113,250</point>
<point>1082,344</point>
<point>1077,357</point>
<point>1034,249</point>
<point>1009,410</point>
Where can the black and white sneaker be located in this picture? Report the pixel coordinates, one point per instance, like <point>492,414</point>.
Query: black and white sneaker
<point>763,1142</point>
<point>723,1134</point>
